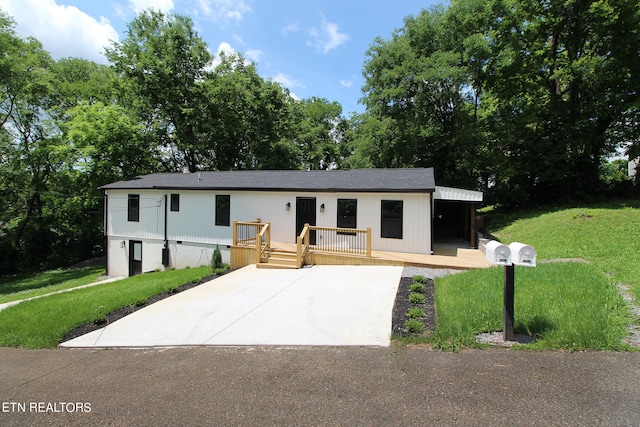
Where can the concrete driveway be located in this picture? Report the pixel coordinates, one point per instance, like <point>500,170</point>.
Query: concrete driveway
<point>319,305</point>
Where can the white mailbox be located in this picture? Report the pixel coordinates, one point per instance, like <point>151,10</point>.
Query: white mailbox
<point>497,253</point>
<point>522,254</point>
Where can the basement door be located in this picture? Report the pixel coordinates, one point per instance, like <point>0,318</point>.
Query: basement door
<point>306,214</point>
<point>135,257</point>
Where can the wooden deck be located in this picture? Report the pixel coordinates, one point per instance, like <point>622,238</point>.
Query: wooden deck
<point>444,257</point>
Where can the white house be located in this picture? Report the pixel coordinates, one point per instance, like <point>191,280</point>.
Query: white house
<point>176,220</point>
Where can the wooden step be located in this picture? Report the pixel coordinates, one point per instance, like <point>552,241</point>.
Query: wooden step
<point>274,266</point>
<point>279,259</point>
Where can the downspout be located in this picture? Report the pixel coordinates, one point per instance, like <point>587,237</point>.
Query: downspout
<point>105,226</point>
<point>165,249</point>
<point>433,208</point>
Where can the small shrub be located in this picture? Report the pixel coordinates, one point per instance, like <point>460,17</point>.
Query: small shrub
<point>414,326</point>
<point>417,298</point>
<point>222,269</point>
<point>415,313</point>
<point>420,279</point>
<point>417,287</point>
<point>216,259</point>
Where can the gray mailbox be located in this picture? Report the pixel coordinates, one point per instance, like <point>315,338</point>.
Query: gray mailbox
<point>522,254</point>
<point>497,253</point>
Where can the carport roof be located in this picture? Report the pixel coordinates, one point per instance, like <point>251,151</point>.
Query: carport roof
<point>457,194</point>
<point>355,180</point>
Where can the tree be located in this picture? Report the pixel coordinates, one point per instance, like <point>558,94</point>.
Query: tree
<point>251,120</point>
<point>320,132</point>
<point>80,81</point>
<point>418,104</point>
<point>29,150</point>
<point>563,75</point>
<point>524,98</point>
<point>162,64</point>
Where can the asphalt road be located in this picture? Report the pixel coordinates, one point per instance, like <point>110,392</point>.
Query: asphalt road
<point>257,386</point>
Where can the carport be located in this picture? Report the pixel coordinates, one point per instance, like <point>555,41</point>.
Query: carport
<point>455,219</point>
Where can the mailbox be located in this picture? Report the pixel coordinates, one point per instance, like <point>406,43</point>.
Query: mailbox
<point>497,253</point>
<point>522,254</point>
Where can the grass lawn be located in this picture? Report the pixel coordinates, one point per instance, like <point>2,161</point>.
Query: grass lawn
<point>17,287</point>
<point>41,323</point>
<point>565,305</point>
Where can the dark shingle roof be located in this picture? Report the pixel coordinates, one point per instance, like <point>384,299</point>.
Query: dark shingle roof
<point>356,180</point>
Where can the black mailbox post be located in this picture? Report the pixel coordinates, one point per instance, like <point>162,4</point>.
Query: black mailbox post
<point>507,331</point>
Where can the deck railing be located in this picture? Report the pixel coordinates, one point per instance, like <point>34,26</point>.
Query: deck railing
<point>253,241</point>
<point>254,234</point>
<point>343,241</point>
<point>264,237</point>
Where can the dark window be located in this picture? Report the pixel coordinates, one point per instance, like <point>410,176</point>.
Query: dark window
<point>347,209</point>
<point>175,202</point>
<point>223,210</point>
<point>133,208</point>
<point>391,219</point>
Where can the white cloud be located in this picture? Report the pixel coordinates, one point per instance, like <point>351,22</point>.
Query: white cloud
<point>286,81</point>
<point>238,40</point>
<point>64,31</point>
<point>327,38</point>
<point>291,28</point>
<point>254,54</point>
<point>289,83</point>
<point>294,96</point>
<point>140,5</point>
<point>324,39</point>
<point>223,9</point>
<point>224,48</point>
<point>346,83</point>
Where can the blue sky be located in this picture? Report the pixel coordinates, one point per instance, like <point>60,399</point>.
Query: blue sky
<point>312,47</point>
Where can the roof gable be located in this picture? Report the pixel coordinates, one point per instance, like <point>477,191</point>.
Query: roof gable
<point>355,180</point>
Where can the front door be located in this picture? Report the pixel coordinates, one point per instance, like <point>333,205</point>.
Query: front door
<point>306,214</point>
<point>135,257</point>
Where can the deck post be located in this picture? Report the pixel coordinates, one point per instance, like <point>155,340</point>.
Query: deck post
<point>368,242</point>
<point>307,234</point>
<point>235,232</point>
<point>299,251</point>
<point>258,248</point>
<point>472,239</point>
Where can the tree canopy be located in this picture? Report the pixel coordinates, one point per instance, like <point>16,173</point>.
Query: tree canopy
<point>163,104</point>
<point>526,98</point>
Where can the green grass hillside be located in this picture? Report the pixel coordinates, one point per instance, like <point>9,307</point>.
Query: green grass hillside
<point>565,305</point>
<point>608,237</point>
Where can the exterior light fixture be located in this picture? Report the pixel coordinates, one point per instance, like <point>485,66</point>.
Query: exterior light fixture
<point>123,244</point>
<point>287,206</point>
<point>322,207</point>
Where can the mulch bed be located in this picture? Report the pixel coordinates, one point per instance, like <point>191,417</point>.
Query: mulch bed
<point>119,314</point>
<point>402,305</point>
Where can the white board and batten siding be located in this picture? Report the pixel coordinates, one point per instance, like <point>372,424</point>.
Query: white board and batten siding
<point>193,235</point>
